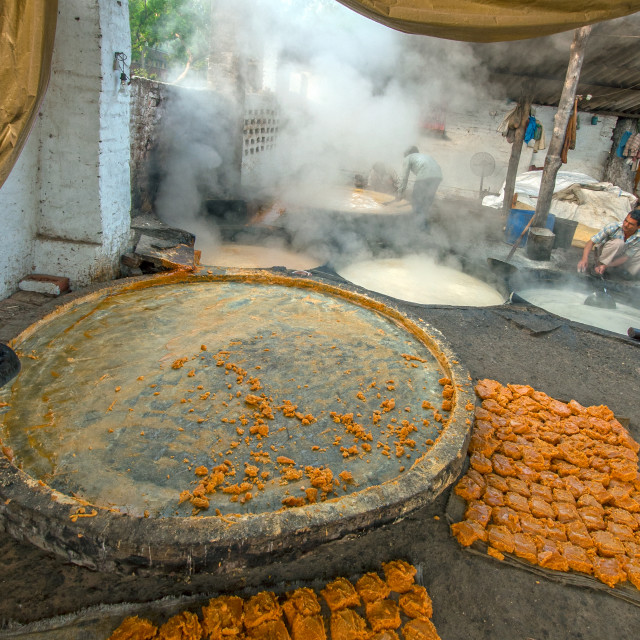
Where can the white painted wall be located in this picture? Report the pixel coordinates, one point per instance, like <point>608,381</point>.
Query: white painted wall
<point>71,187</point>
<point>474,131</point>
<point>18,208</point>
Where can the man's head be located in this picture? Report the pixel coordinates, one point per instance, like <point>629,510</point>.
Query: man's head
<point>631,223</point>
<point>411,150</point>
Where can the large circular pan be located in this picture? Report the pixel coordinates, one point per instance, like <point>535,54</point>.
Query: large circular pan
<point>420,279</point>
<point>85,506</point>
<point>567,296</point>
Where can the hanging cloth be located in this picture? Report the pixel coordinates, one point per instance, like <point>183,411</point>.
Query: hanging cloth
<point>570,134</point>
<point>622,144</point>
<point>530,131</point>
<point>541,141</point>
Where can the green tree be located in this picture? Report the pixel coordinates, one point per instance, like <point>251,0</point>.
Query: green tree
<point>178,27</point>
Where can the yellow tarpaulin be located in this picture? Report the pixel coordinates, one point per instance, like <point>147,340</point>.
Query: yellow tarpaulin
<point>490,20</point>
<point>27,30</point>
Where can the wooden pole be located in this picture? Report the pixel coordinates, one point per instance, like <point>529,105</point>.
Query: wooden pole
<point>514,160</point>
<point>552,161</point>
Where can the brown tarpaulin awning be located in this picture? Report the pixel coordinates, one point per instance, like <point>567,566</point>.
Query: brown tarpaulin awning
<point>490,20</point>
<point>27,30</point>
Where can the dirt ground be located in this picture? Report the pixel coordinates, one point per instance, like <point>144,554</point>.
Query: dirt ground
<point>474,597</point>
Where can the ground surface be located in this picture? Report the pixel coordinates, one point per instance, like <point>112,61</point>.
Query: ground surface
<point>474,597</point>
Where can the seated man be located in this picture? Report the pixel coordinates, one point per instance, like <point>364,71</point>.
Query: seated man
<point>428,178</point>
<point>617,245</point>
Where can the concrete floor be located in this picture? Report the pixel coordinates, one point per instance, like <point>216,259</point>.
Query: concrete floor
<point>473,597</point>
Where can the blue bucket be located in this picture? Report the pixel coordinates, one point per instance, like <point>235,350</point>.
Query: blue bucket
<point>518,220</point>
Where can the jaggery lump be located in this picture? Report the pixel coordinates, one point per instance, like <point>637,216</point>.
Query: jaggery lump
<point>550,557</point>
<point>420,629</point>
<point>524,547</point>
<point>383,614</point>
<point>387,634</point>
<point>577,558</point>
<point>416,602</point>
<point>479,512</point>
<point>506,517</point>
<point>500,538</point>
<point>372,587</point>
<point>135,628</point>
<point>399,575</point>
<point>223,617</point>
<point>608,570</point>
<point>308,628</point>
<point>340,594</point>
<point>467,532</point>
<point>271,630</point>
<point>301,602</point>
<point>261,608</point>
<point>184,626</point>
<point>346,624</point>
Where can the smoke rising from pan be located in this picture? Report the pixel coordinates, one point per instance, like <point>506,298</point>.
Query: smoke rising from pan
<point>350,93</point>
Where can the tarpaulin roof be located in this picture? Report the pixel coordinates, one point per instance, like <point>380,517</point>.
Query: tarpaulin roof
<point>27,30</point>
<point>490,20</point>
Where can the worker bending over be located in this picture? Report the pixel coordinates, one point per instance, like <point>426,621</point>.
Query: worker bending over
<point>428,178</point>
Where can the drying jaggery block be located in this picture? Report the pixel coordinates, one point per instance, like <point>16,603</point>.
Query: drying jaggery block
<point>308,628</point>
<point>399,575</point>
<point>301,602</point>
<point>420,629</point>
<point>135,628</point>
<point>346,624</point>
<point>416,603</point>
<point>183,626</point>
<point>383,614</point>
<point>259,617</point>
<point>272,630</point>
<point>223,617</point>
<point>372,587</point>
<point>387,634</point>
<point>261,608</point>
<point>340,594</point>
<point>559,480</point>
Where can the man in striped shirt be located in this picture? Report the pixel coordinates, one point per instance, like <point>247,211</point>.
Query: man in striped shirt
<point>617,245</point>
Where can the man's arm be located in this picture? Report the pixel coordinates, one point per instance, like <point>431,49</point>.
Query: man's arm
<point>601,268</point>
<point>405,177</point>
<point>584,262</point>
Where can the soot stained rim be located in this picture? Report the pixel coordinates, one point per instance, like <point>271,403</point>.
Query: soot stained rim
<point>107,540</point>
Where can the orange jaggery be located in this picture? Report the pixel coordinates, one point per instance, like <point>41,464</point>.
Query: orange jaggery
<point>555,483</point>
<point>340,594</point>
<point>308,628</point>
<point>183,626</point>
<point>261,608</point>
<point>416,603</point>
<point>223,617</point>
<point>399,575</point>
<point>134,628</point>
<point>372,587</point>
<point>301,602</point>
<point>420,629</point>
<point>383,614</point>
<point>387,634</point>
<point>346,624</point>
<point>271,630</point>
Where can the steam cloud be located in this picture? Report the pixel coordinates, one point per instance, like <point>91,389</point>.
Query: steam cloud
<point>367,89</point>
